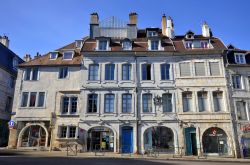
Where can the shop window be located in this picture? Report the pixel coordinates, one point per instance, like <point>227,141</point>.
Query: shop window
<point>33,136</point>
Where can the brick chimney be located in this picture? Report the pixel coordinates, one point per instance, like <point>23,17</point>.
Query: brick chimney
<point>164,25</point>
<point>5,40</point>
<point>133,18</point>
<point>27,58</point>
<point>94,25</point>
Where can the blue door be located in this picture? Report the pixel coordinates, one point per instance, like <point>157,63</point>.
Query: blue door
<point>190,138</point>
<point>127,140</point>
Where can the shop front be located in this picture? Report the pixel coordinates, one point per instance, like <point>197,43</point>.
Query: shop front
<point>100,138</point>
<point>215,142</point>
<point>245,141</point>
<point>160,139</point>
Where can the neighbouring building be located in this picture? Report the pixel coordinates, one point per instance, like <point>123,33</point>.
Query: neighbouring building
<point>238,73</point>
<point>8,74</point>
<point>128,90</point>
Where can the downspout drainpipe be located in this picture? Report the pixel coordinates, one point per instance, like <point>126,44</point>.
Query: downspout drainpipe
<point>137,105</point>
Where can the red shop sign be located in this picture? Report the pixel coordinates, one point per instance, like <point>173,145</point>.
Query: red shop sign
<point>245,128</point>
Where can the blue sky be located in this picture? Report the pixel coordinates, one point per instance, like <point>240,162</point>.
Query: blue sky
<point>45,25</point>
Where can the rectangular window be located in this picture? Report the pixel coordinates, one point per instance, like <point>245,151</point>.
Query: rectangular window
<point>126,103</point>
<point>237,81</point>
<point>32,99</point>
<point>187,101</point>
<point>41,96</point>
<point>67,55</point>
<point>63,132</point>
<point>109,103</point>
<point>188,45</point>
<point>92,103</point>
<point>185,69</point>
<point>146,71</point>
<point>165,71</point>
<point>25,97</point>
<point>147,102</point>
<point>127,45</point>
<point>154,45</point>
<point>93,71</point>
<point>240,58</point>
<point>73,104</point>
<point>241,110</point>
<point>214,68</point>
<point>31,74</point>
<point>204,44</point>
<point>202,101</point>
<point>72,132</point>
<point>8,104</point>
<point>126,72</point>
<point>109,71</point>
<point>65,105</point>
<point>152,33</point>
<point>63,72</point>
<point>167,102</point>
<point>102,45</point>
<point>218,101</point>
<point>199,68</point>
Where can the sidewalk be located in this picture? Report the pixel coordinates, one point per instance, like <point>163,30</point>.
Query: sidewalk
<point>34,153</point>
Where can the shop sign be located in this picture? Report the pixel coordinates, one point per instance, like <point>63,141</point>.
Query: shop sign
<point>100,129</point>
<point>245,128</point>
<point>11,124</point>
<point>214,133</point>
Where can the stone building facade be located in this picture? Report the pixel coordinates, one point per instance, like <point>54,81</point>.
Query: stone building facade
<point>8,74</point>
<point>128,90</point>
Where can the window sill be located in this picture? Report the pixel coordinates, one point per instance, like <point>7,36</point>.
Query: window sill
<point>93,81</point>
<point>68,115</point>
<point>30,108</point>
<point>147,81</point>
<point>109,81</point>
<point>126,81</point>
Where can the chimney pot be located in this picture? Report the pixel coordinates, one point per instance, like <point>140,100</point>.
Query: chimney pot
<point>94,18</point>
<point>5,40</point>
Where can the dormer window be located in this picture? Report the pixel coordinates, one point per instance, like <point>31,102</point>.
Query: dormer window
<point>154,45</point>
<point>197,44</point>
<point>204,44</point>
<point>103,45</point>
<point>78,44</point>
<point>152,33</point>
<point>240,58</point>
<point>68,55</point>
<point>189,35</point>
<point>53,55</point>
<point>127,45</point>
<point>189,45</point>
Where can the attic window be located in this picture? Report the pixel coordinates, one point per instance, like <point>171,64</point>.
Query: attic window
<point>126,45</point>
<point>102,45</point>
<point>68,55</point>
<point>240,58</point>
<point>78,44</point>
<point>152,33</point>
<point>53,55</point>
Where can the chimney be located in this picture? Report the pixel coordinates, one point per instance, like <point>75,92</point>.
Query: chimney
<point>170,28</point>
<point>37,55</point>
<point>133,18</point>
<point>27,58</point>
<point>206,31</point>
<point>94,25</point>
<point>94,18</point>
<point>5,40</point>
<point>164,25</point>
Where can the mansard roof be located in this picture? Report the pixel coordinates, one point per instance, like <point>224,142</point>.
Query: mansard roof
<point>232,50</point>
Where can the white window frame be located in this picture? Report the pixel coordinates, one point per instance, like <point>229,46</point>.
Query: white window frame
<point>238,60</point>
<point>31,74</point>
<point>58,77</point>
<point>36,102</point>
<point>50,57</point>
<point>68,51</point>
<point>130,45</point>
<point>233,77</point>
<point>69,105</point>
<point>59,133</point>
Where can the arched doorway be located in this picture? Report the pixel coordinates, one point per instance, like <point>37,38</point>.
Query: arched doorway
<point>127,139</point>
<point>159,138</point>
<point>245,142</point>
<point>100,138</point>
<point>215,141</point>
<point>33,136</point>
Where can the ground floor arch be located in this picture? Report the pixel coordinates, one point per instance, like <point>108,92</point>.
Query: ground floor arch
<point>215,141</point>
<point>33,135</point>
<point>160,138</point>
<point>100,138</point>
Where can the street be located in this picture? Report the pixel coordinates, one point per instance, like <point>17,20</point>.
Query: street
<point>19,160</point>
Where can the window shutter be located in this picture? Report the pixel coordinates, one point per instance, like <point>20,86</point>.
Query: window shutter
<point>214,68</point>
<point>185,69</point>
<point>200,69</point>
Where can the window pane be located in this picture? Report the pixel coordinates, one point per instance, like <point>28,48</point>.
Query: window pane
<point>241,110</point>
<point>126,71</point>
<point>214,68</point>
<point>236,81</point>
<point>126,103</point>
<point>72,132</point>
<point>73,104</point>
<point>187,101</point>
<point>65,104</point>
<point>102,45</point>
<point>109,103</point>
<point>154,45</point>
<point>109,71</point>
<point>93,72</point>
<point>63,72</point>
<point>147,102</point>
<point>165,71</point>
<point>218,101</point>
<point>202,101</point>
<point>185,69</point>
<point>35,74</point>
<point>200,69</point>
<point>67,55</point>
<point>24,99</point>
<point>27,74</point>
<point>92,103</point>
<point>41,96</point>
<point>63,132</point>
<point>32,99</point>
<point>146,71</point>
<point>167,102</point>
